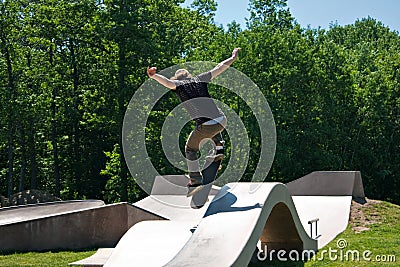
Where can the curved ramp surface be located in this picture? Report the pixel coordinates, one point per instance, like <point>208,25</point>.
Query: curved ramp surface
<point>239,216</point>
<point>150,244</point>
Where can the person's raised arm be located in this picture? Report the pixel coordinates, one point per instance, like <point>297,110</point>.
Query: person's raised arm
<point>151,72</point>
<point>224,65</point>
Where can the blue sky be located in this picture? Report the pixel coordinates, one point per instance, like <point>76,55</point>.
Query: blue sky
<point>319,12</point>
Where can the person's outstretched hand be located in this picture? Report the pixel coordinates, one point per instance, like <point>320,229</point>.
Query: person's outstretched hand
<point>151,71</point>
<point>235,52</point>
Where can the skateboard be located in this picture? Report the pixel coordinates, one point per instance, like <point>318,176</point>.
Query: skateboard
<point>209,174</point>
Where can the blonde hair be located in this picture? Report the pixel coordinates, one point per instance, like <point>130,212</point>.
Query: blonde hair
<point>181,74</point>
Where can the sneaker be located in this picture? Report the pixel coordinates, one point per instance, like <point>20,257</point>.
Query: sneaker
<point>192,189</point>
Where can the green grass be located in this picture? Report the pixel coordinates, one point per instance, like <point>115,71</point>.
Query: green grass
<point>382,238</point>
<point>43,259</point>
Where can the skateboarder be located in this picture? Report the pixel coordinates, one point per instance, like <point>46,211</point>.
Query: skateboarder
<point>210,120</point>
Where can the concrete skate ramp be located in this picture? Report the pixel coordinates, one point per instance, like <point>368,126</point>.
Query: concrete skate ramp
<point>328,183</point>
<point>240,215</point>
<point>35,211</point>
<point>98,226</point>
<point>150,243</point>
<point>326,195</point>
<point>332,213</point>
<point>168,199</point>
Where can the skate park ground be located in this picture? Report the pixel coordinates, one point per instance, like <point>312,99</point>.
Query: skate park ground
<point>165,225</point>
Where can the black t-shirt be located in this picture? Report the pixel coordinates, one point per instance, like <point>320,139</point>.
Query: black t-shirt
<point>193,93</point>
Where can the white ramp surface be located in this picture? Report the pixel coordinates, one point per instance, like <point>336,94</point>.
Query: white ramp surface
<point>150,243</point>
<point>234,223</point>
<point>168,199</point>
<point>29,212</point>
<point>332,211</point>
<point>172,207</point>
<point>238,218</point>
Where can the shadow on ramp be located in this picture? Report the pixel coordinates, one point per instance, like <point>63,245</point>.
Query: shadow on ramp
<point>225,204</point>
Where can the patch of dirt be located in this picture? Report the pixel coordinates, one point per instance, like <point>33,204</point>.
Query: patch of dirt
<point>363,213</point>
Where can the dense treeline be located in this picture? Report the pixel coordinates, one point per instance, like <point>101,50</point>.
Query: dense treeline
<point>69,68</point>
